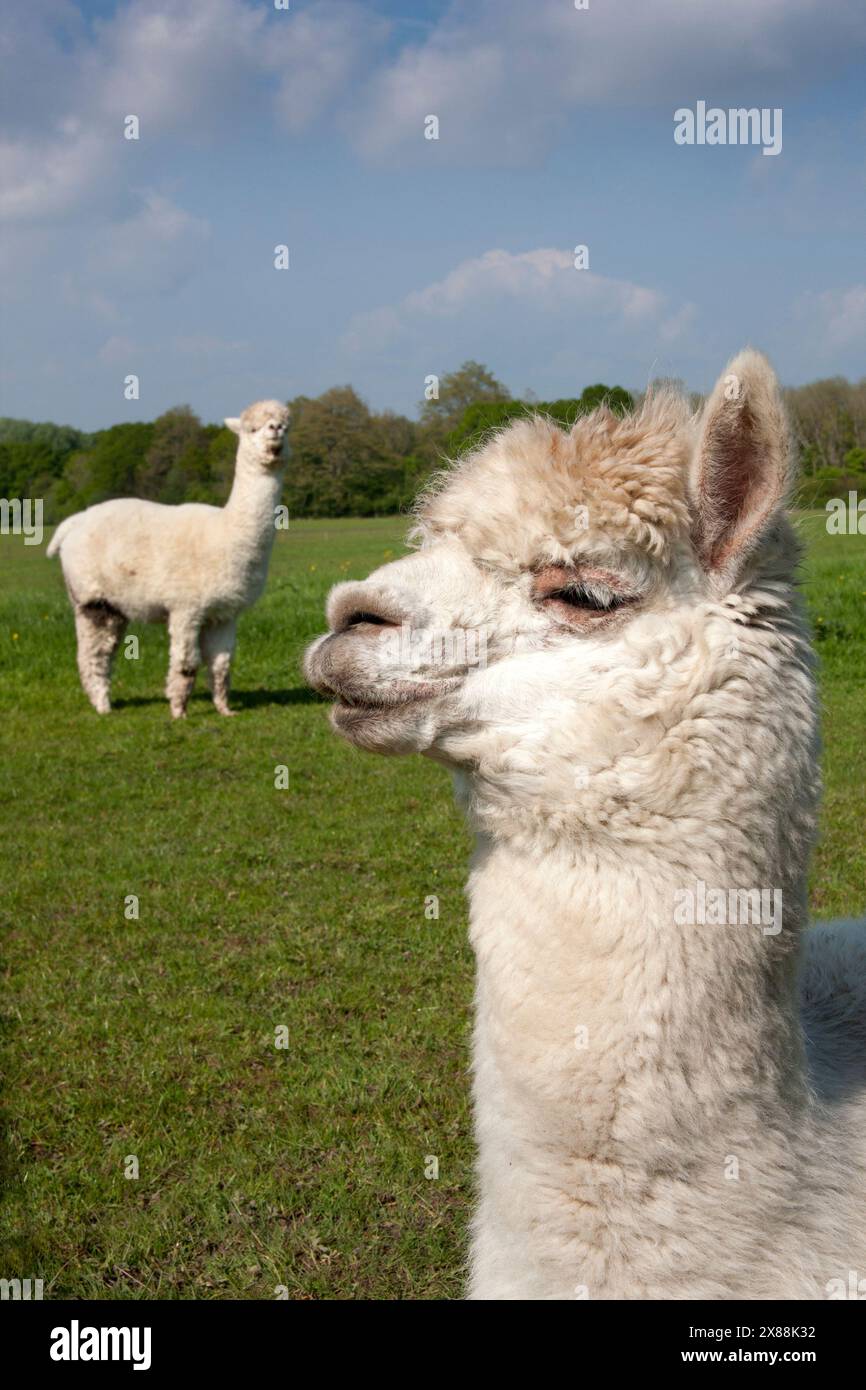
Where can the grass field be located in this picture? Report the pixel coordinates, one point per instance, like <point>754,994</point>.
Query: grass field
<point>260,1167</point>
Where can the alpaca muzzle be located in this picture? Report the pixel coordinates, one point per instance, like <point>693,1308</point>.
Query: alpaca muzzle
<point>344,666</point>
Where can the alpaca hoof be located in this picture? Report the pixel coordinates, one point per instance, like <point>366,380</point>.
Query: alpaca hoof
<point>178,714</point>
<point>225,711</point>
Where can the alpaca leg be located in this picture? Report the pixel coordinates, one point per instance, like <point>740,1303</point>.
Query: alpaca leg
<point>217,644</point>
<point>183,662</point>
<point>99,629</point>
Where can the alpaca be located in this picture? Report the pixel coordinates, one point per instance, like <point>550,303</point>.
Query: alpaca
<point>192,566</point>
<point>667,1082</point>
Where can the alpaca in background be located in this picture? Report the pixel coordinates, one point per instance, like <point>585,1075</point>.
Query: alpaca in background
<point>668,1078</point>
<point>193,566</point>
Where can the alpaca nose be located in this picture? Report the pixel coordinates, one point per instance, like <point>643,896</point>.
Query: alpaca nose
<point>363,618</point>
<point>362,606</point>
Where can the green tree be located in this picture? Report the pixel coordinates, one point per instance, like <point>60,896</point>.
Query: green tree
<point>108,467</point>
<point>345,460</point>
<point>348,460</point>
<point>175,465</point>
<point>482,417</point>
<point>615,397</point>
<point>828,419</point>
<point>32,459</point>
<point>472,384</point>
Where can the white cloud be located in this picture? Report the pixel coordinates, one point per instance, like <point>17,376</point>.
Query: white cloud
<point>679,323</point>
<point>189,72</point>
<point>536,320</point>
<point>42,176</point>
<point>118,350</point>
<point>542,284</point>
<point>461,83</point>
<point>322,57</point>
<point>836,318</point>
<point>153,252</point>
<point>92,301</point>
<point>172,63</point>
<point>39,42</point>
<point>503,76</point>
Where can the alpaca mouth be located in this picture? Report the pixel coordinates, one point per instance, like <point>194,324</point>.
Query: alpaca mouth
<point>352,704</point>
<point>359,694</point>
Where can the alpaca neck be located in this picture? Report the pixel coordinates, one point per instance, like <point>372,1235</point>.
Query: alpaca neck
<point>620,1058</point>
<point>254,496</point>
<point>588,988</point>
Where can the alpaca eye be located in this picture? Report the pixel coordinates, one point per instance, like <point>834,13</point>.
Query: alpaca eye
<point>589,600</point>
<point>579,599</point>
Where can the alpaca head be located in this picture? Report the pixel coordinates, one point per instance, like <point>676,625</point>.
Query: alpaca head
<point>261,430</point>
<point>576,598</point>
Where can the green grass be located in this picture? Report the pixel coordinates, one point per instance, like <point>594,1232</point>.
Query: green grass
<point>834,581</point>
<point>259,1167</point>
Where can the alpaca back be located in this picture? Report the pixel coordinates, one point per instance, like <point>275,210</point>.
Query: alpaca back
<point>146,559</point>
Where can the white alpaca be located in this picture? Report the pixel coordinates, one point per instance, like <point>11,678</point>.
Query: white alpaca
<point>668,1083</point>
<point>193,566</point>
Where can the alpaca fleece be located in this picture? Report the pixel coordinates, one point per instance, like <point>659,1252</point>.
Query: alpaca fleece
<point>192,566</point>
<point>667,1105</point>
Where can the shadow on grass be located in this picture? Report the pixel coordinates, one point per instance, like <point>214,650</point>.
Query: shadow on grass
<point>239,699</point>
<point>298,695</point>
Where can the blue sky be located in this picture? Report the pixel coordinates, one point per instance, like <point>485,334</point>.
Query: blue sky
<point>408,255</point>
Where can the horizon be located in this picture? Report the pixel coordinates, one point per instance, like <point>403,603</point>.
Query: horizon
<point>537,402</point>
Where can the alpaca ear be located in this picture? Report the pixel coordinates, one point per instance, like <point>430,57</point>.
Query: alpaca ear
<point>742,469</point>
<point>233,423</point>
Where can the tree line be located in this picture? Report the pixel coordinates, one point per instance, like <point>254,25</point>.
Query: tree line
<point>347,460</point>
